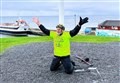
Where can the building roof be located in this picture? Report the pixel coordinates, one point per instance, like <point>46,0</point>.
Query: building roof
<point>110,23</point>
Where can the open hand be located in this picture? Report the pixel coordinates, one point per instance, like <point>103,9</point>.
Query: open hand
<point>22,21</point>
<point>36,20</point>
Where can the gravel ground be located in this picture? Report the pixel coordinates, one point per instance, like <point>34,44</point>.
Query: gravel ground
<point>30,64</point>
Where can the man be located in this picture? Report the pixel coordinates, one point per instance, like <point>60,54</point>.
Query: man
<point>23,25</point>
<point>16,23</point>
<point>61,44</point>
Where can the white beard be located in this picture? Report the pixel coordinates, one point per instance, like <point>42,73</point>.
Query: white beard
<point>59,34</point>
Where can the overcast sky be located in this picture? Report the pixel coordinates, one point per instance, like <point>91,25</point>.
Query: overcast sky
<point>50,7</point>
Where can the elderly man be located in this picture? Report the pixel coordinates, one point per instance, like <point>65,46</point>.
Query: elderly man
<point>61,44</point>
<point>23,25</point>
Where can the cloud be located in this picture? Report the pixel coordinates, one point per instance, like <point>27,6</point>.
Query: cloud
<point>28,5</point>
<point>92,8</point>
<point>28,8</point>
<point>29,13</point>
<point>59,0</point>
<point>51,8</point>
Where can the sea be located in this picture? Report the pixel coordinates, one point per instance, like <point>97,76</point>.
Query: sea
<point>50,22</point>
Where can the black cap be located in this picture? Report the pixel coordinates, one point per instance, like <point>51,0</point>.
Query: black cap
<point>60,26</point>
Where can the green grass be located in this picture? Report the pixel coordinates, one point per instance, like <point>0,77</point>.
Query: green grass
<point>94,39</point>
<point>13,41</point>
<point>9,42</point>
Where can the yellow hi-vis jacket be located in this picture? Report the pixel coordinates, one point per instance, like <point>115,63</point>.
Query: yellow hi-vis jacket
<point>61,43</point>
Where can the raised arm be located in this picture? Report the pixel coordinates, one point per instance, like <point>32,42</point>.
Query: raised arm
<point>78,27</point>
<point>22,21</point>
<point>43,29</point>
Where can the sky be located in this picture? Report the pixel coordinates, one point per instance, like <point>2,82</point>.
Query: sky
<point>50,7</point>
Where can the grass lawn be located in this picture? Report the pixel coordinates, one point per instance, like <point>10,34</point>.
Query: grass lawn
<point>13,41</point>
<point>9,42</point>
<point>94,39</point>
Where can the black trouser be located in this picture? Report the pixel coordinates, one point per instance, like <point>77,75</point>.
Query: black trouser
<point>65,61</point>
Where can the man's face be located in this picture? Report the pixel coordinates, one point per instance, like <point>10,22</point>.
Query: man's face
<point>59,31</point>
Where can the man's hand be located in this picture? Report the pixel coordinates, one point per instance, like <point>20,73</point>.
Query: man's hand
<point>36,20</point>
<point>83,21</point>
<point>22,21</point>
